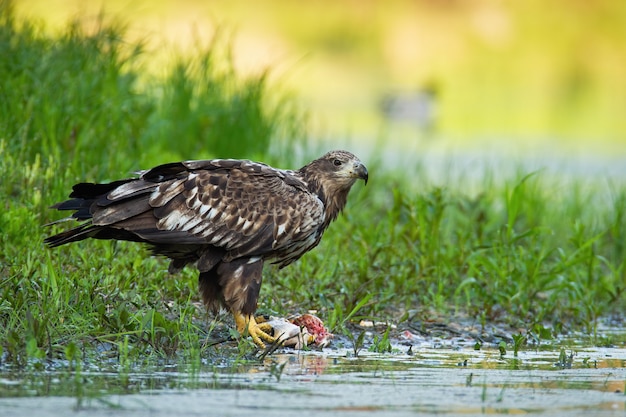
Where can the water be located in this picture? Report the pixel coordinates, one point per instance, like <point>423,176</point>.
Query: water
<point>442,381</point>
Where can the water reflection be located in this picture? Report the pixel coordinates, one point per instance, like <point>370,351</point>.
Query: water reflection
<point>455,381</point>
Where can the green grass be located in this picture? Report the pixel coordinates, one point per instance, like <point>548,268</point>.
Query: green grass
<point>529,251</point>
<point>523,252</point>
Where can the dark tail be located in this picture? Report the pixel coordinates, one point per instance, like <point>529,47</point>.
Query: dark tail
<point>74,235</point>
<point>83,196</point>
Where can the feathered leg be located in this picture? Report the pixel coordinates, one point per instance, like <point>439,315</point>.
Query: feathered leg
<point>240,283</point>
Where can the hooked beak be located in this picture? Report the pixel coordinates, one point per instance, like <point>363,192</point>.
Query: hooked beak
<point>361,171</point>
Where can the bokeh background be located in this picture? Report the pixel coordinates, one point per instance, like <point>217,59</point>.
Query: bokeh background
<point>479,76</point>
<point>467,108</point>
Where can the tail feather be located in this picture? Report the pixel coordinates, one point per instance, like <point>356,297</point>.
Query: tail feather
<point>83,199</point>
<point>84,195</point>
<point>81,232</point>
<point>88,230</point>
<point>81,206</point>
<point>91,191</point>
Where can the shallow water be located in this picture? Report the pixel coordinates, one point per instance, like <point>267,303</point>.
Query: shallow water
<point>444,381</point>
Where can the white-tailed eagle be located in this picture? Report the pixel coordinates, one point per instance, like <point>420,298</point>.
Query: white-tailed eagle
<point>226,216</point>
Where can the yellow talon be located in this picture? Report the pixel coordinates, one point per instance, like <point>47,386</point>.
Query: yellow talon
<point>246,324</point>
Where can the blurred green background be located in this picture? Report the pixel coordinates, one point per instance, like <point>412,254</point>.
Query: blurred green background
<point>451,74</point>
<point>446,87</point>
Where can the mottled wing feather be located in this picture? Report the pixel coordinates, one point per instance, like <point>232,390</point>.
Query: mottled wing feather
<point>110,208</point>
<point>246,208</point>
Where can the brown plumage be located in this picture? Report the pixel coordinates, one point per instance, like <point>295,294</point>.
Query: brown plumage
<point>225,216</point>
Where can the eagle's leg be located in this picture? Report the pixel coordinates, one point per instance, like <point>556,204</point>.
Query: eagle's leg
<point>258,331</point>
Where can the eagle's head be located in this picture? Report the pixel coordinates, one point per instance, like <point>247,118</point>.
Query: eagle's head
<point>331,178</point>
<point>339,168</point>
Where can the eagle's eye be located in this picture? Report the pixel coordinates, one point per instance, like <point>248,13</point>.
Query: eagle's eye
<point>337,162</point>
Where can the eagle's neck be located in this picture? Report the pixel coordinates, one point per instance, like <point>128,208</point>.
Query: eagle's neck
<point>333,197</point>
